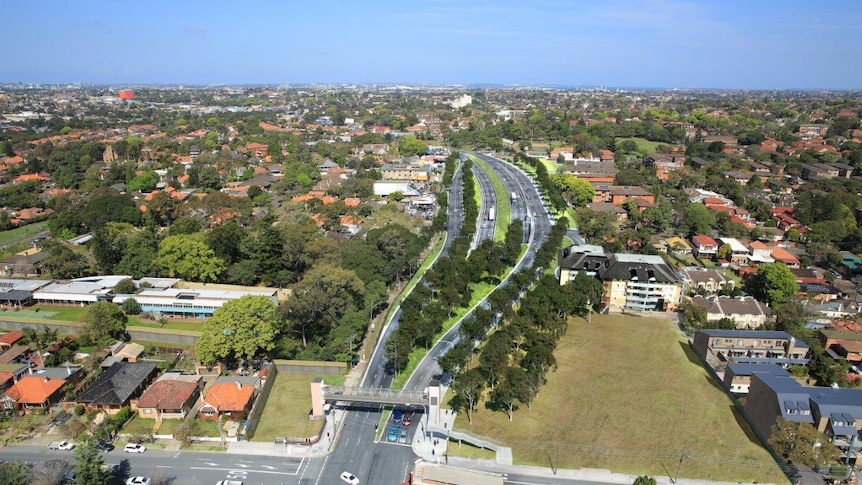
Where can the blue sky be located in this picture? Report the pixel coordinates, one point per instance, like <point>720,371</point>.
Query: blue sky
<point>755,44</point>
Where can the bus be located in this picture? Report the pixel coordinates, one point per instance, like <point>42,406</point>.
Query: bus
<point>491,213</point>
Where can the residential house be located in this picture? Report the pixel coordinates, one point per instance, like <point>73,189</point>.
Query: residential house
<point>227,398</point>
<point>665,163</point>
<point>784,256</point>
<point>616,212</point>
<point>738,252</point>
<point>678,246</point>
<point>7,340</point>
<point>123,352</point>
<point>760,253</point>
<point>818,171</point>
<point>618,194</point>
<point>171,396</point>
<point>842,339</point>
<point>835,412</point>
<point>704,247</point>
<point>851,263</point>
<point>808,131</point>
<point>16,354</point>
<point>709,281</point>
<point>24,264</point>
<point>638,282</point>
<point>751,346</point>
<point>746,312</point>
<point>737,377</point>
<point>118,385</point>
<point>576,259</point>
<point>33,392</point>
<point>594,172</point>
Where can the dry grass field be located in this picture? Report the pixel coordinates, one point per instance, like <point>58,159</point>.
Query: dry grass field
<point>286,411</point>
<point>630,396</point>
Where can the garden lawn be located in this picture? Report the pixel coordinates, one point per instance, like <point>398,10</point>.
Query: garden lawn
<point>630,396</point>
<point>139,425</point>
<point>286,411</point>
<point>551,165</point>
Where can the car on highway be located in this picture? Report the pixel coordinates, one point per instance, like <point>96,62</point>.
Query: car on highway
<point>350,478</point>
<point>134,448</point>
<point>393,433</point>
<point>402,438</point>
<point>138,481</point>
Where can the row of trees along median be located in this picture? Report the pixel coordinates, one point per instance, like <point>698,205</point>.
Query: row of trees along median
<point>515,356</point>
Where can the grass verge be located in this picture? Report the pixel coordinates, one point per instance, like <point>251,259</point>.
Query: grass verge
<point>466,450</point>
<point>286,411</point>
<point>630,395</point>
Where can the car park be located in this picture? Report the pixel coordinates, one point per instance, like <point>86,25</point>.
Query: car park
<point>134,448</point>
<point>393,433</point>
<point>350,478</point>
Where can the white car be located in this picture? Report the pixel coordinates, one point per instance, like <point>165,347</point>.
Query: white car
<point>134,448</point>
<point>138,481</point>
<point>67,446</point>
<point>350,478</point>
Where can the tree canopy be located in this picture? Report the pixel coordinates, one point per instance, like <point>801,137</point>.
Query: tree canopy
<point>240,329</point>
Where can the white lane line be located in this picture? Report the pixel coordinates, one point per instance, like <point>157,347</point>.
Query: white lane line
<point>249,471</point>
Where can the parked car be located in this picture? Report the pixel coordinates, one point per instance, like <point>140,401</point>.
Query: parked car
<point>350,478</point>
<point>393,433</point>
<point>61,445</point>
<point>106,447</point>
<point>138,481</point>
<point>407,420</point>
<point>396,416</point>
<point>134,448</point>
<point>402,438</point>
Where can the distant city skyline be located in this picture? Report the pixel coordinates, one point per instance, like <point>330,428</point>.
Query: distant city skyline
<point>729,44</point>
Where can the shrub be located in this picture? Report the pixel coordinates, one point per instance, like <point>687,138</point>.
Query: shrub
<point>78,410</point>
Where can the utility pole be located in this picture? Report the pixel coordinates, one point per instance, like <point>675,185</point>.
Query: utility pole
<point>683,455</point>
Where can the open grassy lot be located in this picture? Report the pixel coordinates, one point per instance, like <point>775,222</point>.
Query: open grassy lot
<point>19,234</point>
<point>630,396</point>
<point>645,147</point>
<point>77,314</point>
<point>286,411</point>
<point>551,165</point>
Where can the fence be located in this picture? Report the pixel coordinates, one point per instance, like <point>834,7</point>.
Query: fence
<point>161,335</point>
<point>763,439</point>
<point>310,367</point>
<point>254,416</point>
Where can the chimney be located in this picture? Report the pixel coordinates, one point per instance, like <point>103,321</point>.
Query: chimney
<point>238,385</point>
<point>68,370</point>
<point>47,380</point>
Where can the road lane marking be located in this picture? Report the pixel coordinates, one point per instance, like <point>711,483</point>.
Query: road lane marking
<point>248,471</point>
<point>268,467</point>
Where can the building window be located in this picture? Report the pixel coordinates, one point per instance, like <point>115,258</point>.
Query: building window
<point>739,342</point>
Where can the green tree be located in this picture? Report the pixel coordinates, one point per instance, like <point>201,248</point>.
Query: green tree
<point>578,191</point>
<point>773,283</point>
<point>514,387</point>
<point>89,466</point>
<point>692,316</point>
<point>14,473</point>
<point>644,480</point>
<point>409,146</point>
<point>790,316</point>
<point>125,287</point>
<point>802,443</point>
<point>130,306</point>
<point>103,322</point>
<point>241,328</point>
<point>145,182</point>
<point>468,389</point>
<point>696,219</point>
<point>187,256</point>
<point>226,241</point>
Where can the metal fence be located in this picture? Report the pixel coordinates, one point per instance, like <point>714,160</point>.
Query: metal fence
<point>254,416</point>
<point>310,367</point>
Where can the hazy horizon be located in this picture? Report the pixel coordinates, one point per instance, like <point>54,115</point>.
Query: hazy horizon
<point>644,44</point>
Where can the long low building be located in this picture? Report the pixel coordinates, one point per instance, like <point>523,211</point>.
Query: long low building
<point>189,302</point>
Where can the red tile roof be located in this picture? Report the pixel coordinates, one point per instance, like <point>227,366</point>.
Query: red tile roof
<point>167,394</point>
<point>34,389</point>
<point>11,337</point>
<point>229,396</point>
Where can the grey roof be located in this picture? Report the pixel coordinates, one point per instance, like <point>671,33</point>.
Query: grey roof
<point>118,383</point>
<point>576,259</point>
<point>253,381</point>
<point>733,306</point>
<point>59,372</point>
<point>643,267</point>
<point>15,295</point>
<point>747,369</point>
<point>790,396</point>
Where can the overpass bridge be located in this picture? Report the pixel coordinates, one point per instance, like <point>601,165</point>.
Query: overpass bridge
<point>378,395</point>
